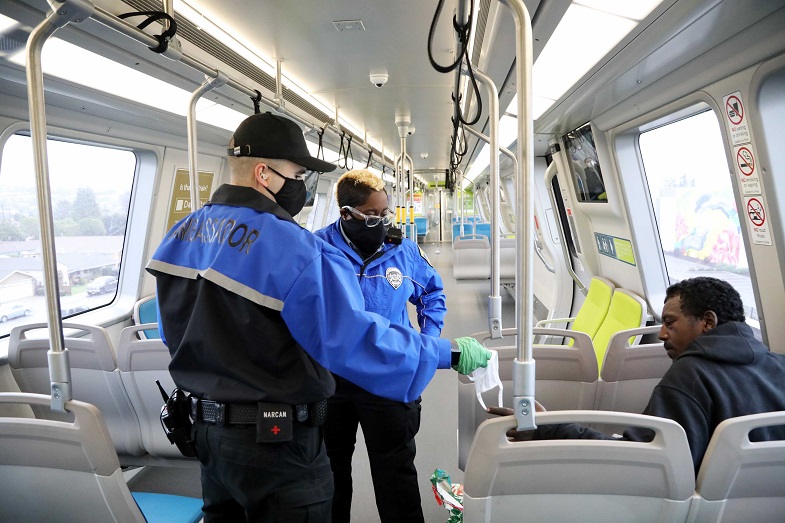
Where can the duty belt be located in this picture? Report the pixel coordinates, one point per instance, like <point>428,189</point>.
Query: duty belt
<point>246,413</point>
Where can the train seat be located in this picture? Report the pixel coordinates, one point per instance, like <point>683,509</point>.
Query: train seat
<point>421,222</point>
<point>145,311</point>
<point>461,229</point>
<point>739,479</point>
<point>593,310</point>
<point>630,372</point>
<point>471,258</point>
<point>627,310</point>
<point>579,480</point>
<point>67,470</point>
<point>141,362</point>
<point>483,229</point>
<point>95,378</point>
<point>566,379</point>
<point>507,266</point>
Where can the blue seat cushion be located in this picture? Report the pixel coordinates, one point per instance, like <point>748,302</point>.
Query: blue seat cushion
<point>168,508</point>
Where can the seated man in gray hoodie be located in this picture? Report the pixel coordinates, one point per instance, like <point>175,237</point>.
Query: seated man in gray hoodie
<point>720,371</point>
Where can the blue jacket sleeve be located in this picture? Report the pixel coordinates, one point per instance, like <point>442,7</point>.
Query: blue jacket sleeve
<point>428,297</point>
<point>326,315</point>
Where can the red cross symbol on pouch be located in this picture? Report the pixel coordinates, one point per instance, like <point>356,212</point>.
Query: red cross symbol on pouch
<point>275,430</point>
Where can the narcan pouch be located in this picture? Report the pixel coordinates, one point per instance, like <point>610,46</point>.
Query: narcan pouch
<point>176,420</point>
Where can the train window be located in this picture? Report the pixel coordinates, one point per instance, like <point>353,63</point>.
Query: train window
<point>584,166</point>
<point>692,196</point>
<point>91,190</point>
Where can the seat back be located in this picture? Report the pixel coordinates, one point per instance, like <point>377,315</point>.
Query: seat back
<point>627,310</point>
<point>421,222</point>
<point>740,479</point>
<point>67,470</point>
<point>141,362</point>
<point>566,378</point>
<point>483,229</point>
<point>94,378</point>
<point>462,229</point>
<point>579,479</point>
<point>595,306</point>
<point>593,310</point>
<point>630,372</point>
<point>145,311</point>
<point>507,259</point>
<point>471,258</point>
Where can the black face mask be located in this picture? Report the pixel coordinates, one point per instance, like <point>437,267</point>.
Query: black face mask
<point>366,239</point>
<point>291,196</point>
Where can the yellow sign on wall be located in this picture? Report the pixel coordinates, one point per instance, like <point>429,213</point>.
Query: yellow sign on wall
<point>180,204</point>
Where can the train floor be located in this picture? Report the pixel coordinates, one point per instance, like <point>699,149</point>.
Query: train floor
<point>467,313</point>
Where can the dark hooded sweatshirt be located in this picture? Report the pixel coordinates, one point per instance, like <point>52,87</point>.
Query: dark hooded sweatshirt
<point>723,373</point>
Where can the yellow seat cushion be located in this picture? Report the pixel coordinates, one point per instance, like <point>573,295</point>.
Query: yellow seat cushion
<point>594,308</point>
<point>625,312</point>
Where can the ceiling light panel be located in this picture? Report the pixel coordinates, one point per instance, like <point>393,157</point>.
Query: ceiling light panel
<point>582,38</point>
<point>634,10</point>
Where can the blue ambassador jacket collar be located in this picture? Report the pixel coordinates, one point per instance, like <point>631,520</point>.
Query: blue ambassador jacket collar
<point>240,196</point>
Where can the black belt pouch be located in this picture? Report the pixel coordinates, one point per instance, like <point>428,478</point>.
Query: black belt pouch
<point>273,422</point>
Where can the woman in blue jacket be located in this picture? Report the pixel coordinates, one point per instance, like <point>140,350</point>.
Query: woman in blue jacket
<point>390,276</point>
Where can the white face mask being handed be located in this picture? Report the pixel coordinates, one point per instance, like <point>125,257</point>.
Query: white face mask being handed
<point>487,378</point>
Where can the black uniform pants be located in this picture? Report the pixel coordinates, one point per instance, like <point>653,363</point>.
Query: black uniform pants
<point>389,428</point>
<point>243,480</point>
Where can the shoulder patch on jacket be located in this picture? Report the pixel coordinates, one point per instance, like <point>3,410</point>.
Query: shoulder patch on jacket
<point>424,257</point>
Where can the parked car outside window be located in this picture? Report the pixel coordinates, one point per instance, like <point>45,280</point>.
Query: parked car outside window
<point>102,285</point>
<point>9,312</point>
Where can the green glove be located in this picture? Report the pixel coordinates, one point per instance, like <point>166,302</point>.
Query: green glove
<point>473,355</point>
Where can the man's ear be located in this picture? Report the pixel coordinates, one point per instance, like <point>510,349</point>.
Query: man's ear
<point>260,174</point>
<point>709,320</point>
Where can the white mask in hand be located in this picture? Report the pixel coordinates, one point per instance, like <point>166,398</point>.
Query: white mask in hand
<point>487,378</point>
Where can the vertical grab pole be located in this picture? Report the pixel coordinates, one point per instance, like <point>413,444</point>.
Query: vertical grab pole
<point>190,120</point>
<point>494,300</point>
<point>410,214</point>
<point>57,357</point>
<point>523,366</point>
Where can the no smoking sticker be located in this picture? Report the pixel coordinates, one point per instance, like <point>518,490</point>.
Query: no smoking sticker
<point>747,170</point>
<point>756,217</point>
<point>737,120</point>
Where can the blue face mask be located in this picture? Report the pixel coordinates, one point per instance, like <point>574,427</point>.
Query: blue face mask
<point>291,196</point>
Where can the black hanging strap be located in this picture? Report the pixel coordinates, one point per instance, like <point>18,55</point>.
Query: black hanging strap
<point>256,102</point>
<point>320,150</point>
<point>152,16</point>
<point>342,152</point>
<point>349,155</point>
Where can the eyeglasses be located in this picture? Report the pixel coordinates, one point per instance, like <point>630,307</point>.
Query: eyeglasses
<point>372,221</point>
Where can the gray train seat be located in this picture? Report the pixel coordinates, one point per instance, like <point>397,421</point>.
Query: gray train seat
<point>471,258</point>
<point>579,480</point>
<point>141,362</point>
<point>507,265</point>
<point>95,378</point>
<point>566,379</point>
<point>630,372</point>
<point>62,471</point>
<point>739,479</point>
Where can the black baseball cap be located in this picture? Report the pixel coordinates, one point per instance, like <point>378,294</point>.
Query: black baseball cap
<point>267,135</point>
